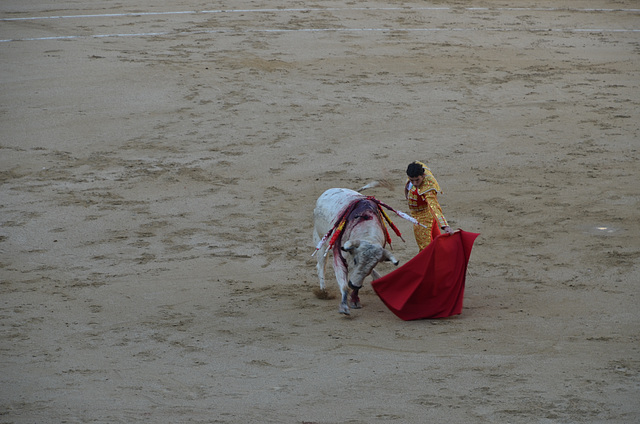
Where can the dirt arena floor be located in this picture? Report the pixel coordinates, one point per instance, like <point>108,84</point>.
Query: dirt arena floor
<point>160,161</point>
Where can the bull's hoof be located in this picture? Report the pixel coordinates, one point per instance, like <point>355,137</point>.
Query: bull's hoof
<point>344,309</point>
<point>355,305</point>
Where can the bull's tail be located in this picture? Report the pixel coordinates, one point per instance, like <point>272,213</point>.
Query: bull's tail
<point>372,184</point>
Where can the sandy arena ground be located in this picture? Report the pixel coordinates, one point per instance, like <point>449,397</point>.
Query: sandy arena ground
<point>160,161</point>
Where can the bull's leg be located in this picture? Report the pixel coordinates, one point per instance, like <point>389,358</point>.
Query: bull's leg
<point>375,275</point>
<point>355,300</point>
<point>344,306</point>
<point>321,265</point>
<point>342,278</point>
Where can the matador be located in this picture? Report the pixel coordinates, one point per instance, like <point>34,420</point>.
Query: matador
<point>421,191</point>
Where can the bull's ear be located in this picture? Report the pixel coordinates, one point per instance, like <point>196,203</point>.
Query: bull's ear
<point>350,245</point>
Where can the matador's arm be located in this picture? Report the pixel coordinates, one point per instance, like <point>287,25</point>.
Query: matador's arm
<point>436,210</point>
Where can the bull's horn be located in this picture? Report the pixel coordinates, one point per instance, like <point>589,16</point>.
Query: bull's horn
<point>388,256</point>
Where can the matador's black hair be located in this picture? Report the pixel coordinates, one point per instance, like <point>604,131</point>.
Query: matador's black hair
<point>414,170</point>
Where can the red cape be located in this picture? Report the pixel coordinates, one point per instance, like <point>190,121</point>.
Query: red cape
<point>431,285</point>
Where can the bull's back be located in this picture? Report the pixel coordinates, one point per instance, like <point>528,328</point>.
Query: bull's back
<point>329,207</point>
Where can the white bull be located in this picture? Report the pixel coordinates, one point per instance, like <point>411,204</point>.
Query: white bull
<point>362,240</point>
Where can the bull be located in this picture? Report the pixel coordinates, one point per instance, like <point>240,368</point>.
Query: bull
<point>358,245</point>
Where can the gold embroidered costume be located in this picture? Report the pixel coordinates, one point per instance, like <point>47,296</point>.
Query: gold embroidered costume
<point>424,206</point>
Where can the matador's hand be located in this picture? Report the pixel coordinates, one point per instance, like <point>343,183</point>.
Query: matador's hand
<point>447,229</point>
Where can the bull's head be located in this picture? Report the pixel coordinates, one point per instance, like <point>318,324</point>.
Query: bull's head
<point>365,257</point>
